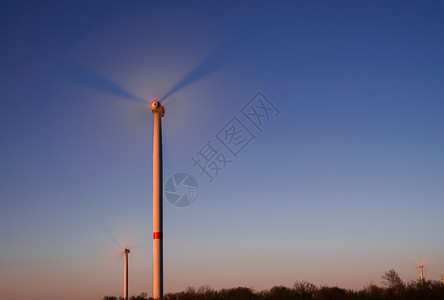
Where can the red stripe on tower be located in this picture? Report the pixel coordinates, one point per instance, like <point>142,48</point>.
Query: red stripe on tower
<point>157,235</point>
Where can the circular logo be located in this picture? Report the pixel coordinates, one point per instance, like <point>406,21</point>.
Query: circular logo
<point>181,190</point>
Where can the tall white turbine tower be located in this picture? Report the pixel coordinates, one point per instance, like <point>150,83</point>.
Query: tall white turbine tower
<point>158,111</point>
<point>125,276</point>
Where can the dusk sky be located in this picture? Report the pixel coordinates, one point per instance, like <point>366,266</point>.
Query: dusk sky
<point>342,180</point>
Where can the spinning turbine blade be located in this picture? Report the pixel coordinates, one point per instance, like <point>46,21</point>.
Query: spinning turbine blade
<point>222,57</point>
<point>107,230</point>
<point>75,72</point>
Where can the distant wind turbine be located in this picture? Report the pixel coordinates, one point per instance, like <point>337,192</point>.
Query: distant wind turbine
<point>125,276</point>
<point>421,267</point>
<point>124,251</point>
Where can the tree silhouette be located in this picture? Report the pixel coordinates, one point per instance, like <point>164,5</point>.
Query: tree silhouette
<point>305,290</point>
<point>394,289</point>
<point>392,280</point>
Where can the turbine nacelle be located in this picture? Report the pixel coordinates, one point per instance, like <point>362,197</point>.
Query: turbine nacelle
<point>157,107</point>
<point>126,250</point>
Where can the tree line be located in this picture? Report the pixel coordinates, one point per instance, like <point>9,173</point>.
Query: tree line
<point>393,288</point>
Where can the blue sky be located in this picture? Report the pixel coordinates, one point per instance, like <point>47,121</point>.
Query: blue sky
<point>346,183</point>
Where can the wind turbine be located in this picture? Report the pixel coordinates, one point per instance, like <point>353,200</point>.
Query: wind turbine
<point>124,251</point>
<point>221,57</point>
<point>420,264</point>
<point>125,275</point>
<point>159,112</point>
<point>421,267</point>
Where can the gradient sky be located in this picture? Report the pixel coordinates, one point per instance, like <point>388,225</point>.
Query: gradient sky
<point>345,184</point>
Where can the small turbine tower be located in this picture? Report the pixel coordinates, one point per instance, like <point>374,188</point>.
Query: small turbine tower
<point>421,267</point>
<point>158,111</point>
<point>125,275</point>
